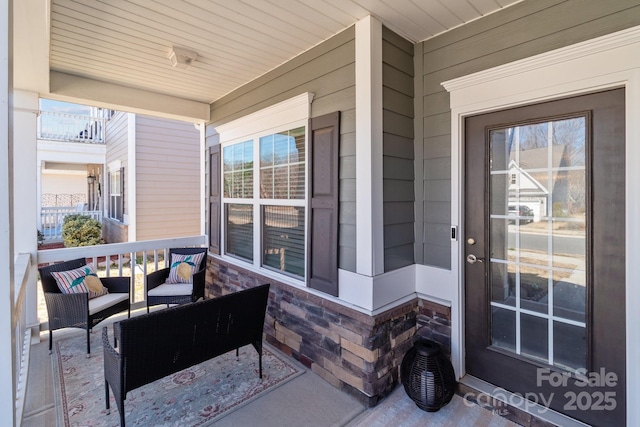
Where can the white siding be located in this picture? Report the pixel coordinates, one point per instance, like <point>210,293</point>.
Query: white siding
<point>167,178</point>
<point>117,139</point>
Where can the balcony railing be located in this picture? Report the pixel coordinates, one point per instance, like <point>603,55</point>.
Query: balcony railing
<point>51,219</point>
<point>57,126</point>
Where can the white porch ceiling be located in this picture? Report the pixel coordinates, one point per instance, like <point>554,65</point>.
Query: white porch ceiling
<point>126,42</point>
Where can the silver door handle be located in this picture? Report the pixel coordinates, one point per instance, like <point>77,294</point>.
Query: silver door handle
<point>472,259</point>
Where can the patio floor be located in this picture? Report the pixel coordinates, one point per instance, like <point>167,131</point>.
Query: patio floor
<point>307,400</point>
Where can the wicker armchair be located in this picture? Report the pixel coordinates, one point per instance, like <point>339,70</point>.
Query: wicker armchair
<point>75,310</point>
<point>159,292</point>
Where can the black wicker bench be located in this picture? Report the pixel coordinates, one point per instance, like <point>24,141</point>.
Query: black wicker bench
<point>154,345</point>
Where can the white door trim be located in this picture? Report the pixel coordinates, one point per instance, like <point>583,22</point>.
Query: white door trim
<point>605,62</point>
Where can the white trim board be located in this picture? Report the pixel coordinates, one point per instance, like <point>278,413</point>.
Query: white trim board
<point>369,183</point>
<point>289,111</point>
<point>605,62</point>
<point>374,295</point>
<point>131,176</point>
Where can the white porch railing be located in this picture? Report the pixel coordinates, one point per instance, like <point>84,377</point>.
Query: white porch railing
<point>22,331</point>
<point>51,219</point>
<point>134,259</point>
<point>57,126</point>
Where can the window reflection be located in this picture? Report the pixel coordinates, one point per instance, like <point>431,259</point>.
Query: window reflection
<point>538,207</point>
<point>282,165</point>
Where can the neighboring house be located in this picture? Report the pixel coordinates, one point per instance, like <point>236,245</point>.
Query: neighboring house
<point>525,190</point>
<point>69,148</point>
<point>151,179</point>
<point>354,175</point>
<point>139,176</point>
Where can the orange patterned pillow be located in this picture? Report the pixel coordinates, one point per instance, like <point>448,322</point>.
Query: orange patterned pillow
<point>183,267</point>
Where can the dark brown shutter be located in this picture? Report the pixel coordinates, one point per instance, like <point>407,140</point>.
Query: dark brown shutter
<point>108,196</point>
<point>214,199</point>
<point>323,230</point>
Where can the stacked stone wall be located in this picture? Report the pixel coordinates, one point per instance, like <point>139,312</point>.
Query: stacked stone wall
<point>434,323</point>
<point>351,350</point>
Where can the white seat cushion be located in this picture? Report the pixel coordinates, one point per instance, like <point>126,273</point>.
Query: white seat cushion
<point>100,303</point>
<point>171,290</point>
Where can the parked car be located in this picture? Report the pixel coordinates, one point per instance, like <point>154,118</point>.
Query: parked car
<point>525,213</point>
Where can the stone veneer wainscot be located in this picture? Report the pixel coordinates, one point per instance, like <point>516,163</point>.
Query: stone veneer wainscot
<point>358,353</point>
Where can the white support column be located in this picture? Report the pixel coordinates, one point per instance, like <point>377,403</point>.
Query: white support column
<point>26,171</point>
<point>131,179</point>
<point>204,199</point>
<point>39,167</point>
<point>369,220</point>
<point>7,334</point>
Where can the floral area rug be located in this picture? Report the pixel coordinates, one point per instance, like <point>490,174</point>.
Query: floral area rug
<point>195,396</point>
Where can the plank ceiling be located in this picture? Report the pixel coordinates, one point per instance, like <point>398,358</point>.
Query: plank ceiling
<point>127,42</point>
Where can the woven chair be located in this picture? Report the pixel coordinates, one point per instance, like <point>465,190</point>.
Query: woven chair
<point>76,310</point>
<point>160,292</point>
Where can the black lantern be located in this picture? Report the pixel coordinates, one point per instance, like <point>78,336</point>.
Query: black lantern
<point>427,375</point>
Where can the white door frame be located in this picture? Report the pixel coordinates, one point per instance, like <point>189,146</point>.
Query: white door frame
<point>605,62</point>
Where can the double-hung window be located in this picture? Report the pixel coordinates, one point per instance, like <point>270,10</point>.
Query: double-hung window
<point>116,205</point>
<point>264,198</point>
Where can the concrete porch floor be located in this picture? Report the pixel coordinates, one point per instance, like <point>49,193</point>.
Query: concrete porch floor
<point>307,400</point>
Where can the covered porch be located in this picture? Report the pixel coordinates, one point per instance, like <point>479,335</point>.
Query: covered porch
<point>333,164</point>
<point>307,400</point>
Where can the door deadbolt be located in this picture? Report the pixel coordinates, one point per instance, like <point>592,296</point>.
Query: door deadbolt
<point>471,241</point>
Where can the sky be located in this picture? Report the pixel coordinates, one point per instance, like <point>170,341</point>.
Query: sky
<point>64,107</point>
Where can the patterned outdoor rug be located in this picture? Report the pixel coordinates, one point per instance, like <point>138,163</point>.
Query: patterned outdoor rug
<point>196,396</point>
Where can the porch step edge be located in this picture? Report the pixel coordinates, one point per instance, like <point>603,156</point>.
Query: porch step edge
<point>512,406</point>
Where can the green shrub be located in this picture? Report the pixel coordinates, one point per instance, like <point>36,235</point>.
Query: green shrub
<point>81,230</point>
<point>40,237</point>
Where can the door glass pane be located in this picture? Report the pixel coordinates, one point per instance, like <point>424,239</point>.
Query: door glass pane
<point>569,244</point>
<point>569,346</point>
<point>503,328</point>
<point>500,186</point>
<point>569,140</point>
<point>503,240</point>
<point>534,340</point>
<point>532,152</point>
<point>534,289</point>
<point>570,295</point>
<point>501,147</point>
<point>538,222</point>
<point>533,244</point>
<point>503,283</point>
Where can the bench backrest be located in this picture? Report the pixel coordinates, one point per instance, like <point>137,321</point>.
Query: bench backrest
<point>160,343</point>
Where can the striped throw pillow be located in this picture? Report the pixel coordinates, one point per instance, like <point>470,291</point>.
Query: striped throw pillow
<point>183,267</point>
<point>80,280</point>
